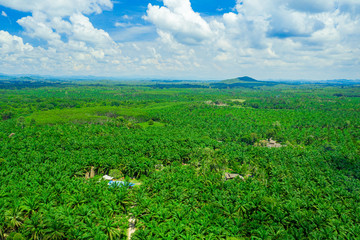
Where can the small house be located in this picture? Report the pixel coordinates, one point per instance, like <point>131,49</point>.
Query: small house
<point>107,177</point>
<point>229,176</point>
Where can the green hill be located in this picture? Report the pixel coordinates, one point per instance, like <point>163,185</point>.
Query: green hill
<point>244,79</point>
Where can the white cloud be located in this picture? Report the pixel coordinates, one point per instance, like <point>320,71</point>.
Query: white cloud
<point>82,39</point>
<point>121,24</point>
<point>12,44</point>
<point>126,17</point>
<point>83,30</point>
<point>179,19</point>
<point>63,23</point>
<point>3,14</point>
<point>37,26</point>
<point>73,43</point>
<point>278,18</point>
<point>287,23</point>
<point>59,7</point>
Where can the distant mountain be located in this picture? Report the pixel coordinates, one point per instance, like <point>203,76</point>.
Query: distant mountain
<point>244,79</point>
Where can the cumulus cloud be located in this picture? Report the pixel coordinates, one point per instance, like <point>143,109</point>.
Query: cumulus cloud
<point>287,23</point>
<point>12,44</point>
<point>51,20</point>
<point>59,7</point>
<point>65,28</point>
<point>83,30</point>
<point>12,52</point>
<point>73,43</point>
<point>253,23</point>
<point>37,26</point>
<point>280,18</point>
<point>179,19</point>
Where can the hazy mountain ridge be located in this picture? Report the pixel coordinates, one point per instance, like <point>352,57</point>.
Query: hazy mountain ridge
<point>16,81</point>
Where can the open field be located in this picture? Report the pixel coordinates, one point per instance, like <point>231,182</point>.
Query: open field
<point>177,148</point>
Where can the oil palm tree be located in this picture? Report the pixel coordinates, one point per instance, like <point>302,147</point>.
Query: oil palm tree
<point>54,228</point>
<point>34,226</point>
<point>111,228</point>
<point>31,205</point>
<point>14,217</point>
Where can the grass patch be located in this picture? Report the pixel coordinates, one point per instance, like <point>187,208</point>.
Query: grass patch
<point>153,124</point>
<point>87,114</point>
<point>99,114</point>
<point>238,100</point>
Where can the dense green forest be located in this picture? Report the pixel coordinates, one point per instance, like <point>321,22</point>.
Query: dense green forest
<point>176,142</point>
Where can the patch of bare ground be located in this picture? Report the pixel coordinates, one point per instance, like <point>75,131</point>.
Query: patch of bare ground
<point>131,229</point>
<point>216,103</point>
<point>269,143</point>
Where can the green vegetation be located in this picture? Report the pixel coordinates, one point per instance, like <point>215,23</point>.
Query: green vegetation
<point>87,114</point>
<point>175,144</point>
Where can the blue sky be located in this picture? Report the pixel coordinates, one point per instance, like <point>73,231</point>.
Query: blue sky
<point>181,39</point>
